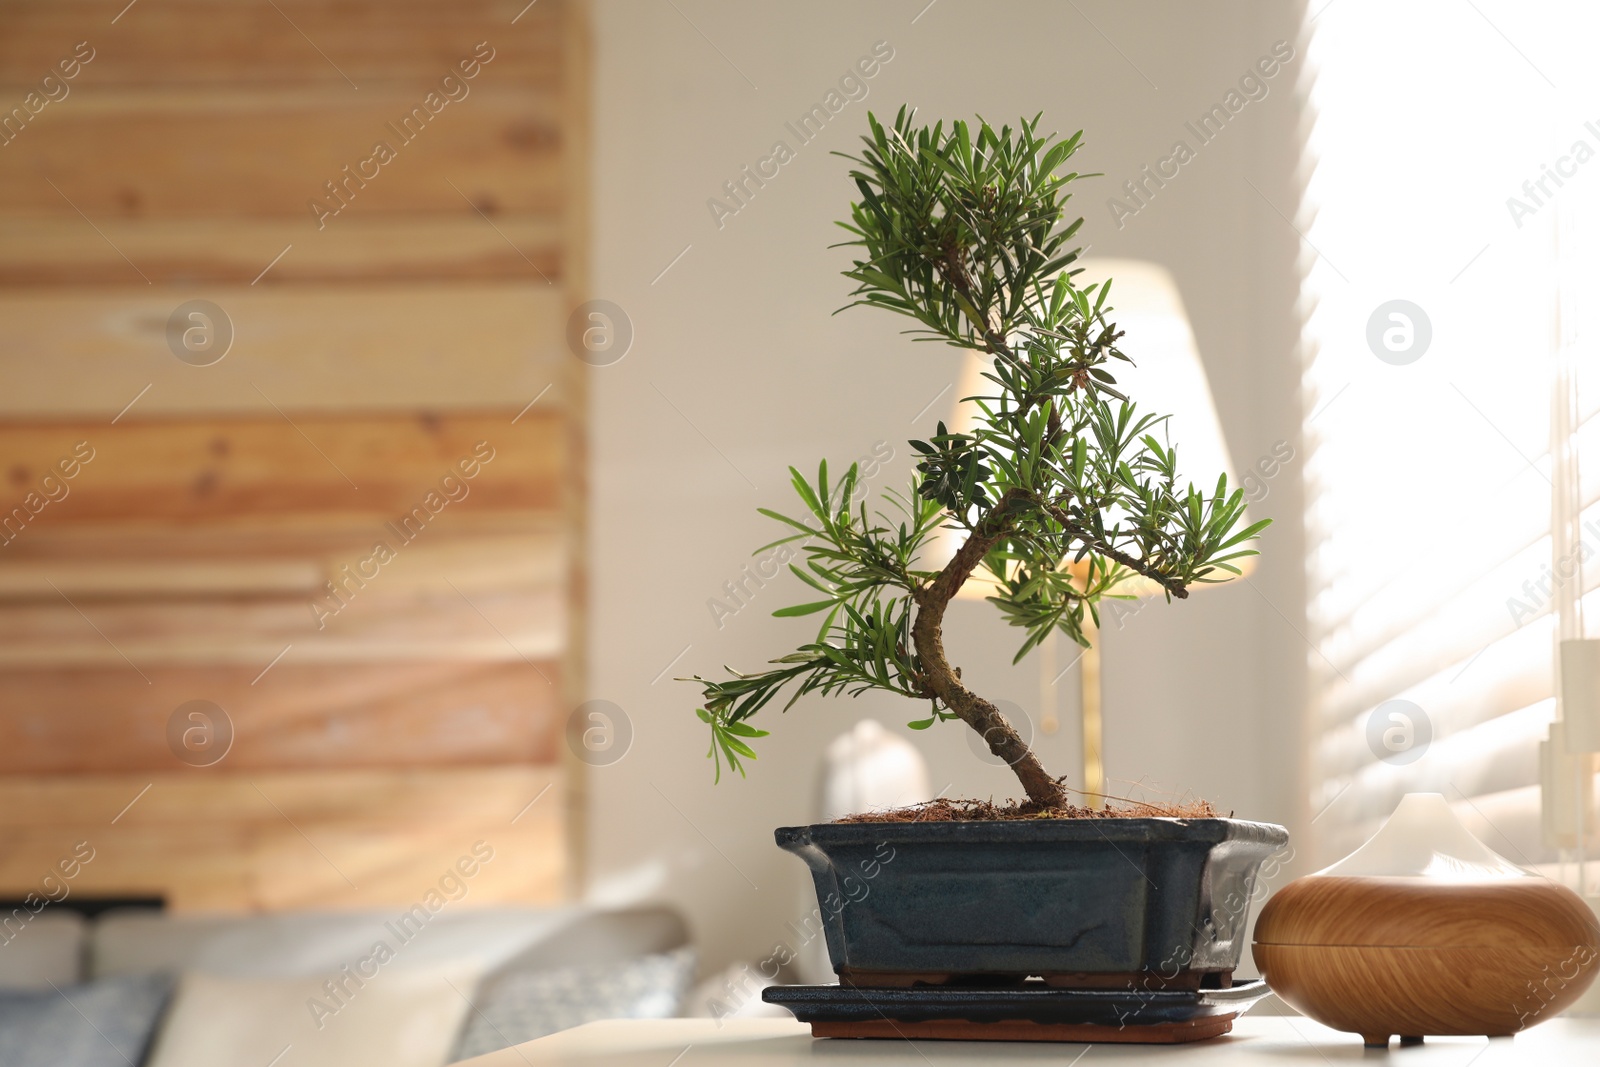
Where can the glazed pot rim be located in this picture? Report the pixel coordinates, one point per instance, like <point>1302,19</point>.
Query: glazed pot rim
<point>1140,830</point>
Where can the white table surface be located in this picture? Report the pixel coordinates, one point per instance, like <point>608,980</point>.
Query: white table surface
<point>1258,1041</point>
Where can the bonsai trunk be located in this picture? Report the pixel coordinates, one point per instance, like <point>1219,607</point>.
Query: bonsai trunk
<point>928,637</point>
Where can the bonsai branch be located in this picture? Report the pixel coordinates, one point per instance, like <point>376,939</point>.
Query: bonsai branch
<point>945,682</point>
<point>1176,586</point>
<point>953,271</point>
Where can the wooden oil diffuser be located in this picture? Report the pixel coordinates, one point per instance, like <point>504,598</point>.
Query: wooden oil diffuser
<point>1425,930</point>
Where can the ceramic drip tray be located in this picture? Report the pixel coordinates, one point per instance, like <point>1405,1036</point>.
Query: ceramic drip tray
<point>1031,1011</point>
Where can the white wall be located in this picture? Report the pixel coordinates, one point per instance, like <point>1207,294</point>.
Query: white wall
<point>739,368</point>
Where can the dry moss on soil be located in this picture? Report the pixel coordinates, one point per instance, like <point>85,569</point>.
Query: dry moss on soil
<point>942,810</point>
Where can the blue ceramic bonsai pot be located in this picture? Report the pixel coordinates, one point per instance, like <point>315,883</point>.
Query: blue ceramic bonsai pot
<point>1081,903</point>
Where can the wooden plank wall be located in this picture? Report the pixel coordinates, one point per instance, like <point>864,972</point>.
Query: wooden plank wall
<point>357,531</point>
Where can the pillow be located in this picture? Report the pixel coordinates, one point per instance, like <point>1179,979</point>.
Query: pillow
<point>517,1006</point>
<point>398,1018</point>
<point>290,944</point>
<point>58,1027</point>
<point>46,948</point>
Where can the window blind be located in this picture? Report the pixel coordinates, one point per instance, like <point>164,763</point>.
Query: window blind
<point>1447,235</point>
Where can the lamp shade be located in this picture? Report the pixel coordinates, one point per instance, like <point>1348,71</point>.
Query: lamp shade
<point>1166,377</point>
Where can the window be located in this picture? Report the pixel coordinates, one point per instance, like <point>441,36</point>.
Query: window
<point>1448,224</point>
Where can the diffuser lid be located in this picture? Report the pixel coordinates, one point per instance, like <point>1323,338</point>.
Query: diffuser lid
<point>1424,839</point>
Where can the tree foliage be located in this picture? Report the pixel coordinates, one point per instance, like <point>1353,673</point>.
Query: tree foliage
<point>1063,490</point>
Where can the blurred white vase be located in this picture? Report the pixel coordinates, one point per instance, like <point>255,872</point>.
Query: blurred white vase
<point>867,768</point>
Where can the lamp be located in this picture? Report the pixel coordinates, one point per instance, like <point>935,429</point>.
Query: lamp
<point>1167,378</point>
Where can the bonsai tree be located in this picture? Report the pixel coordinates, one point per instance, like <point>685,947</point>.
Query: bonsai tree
<point>1062,491</point>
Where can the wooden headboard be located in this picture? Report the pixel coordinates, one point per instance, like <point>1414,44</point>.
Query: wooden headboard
<point>288,590</point>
